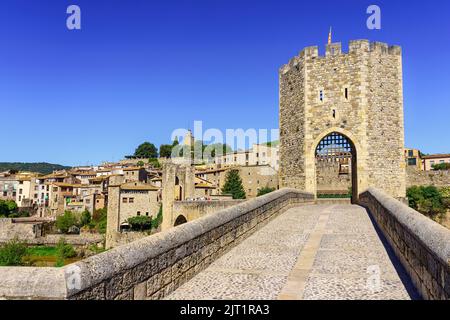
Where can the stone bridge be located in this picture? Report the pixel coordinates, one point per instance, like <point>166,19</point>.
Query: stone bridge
<point>279,246</point>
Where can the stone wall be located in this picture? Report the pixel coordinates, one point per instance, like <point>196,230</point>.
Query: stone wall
<point>427,178</point>
<point>152,267</point>
<point>370,115</point>
<point>329,179</point>
<point>192,210</point>
<point>10,229</point>
<point>422,245</point>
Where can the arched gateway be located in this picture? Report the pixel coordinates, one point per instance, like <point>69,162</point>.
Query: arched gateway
<point>351,100</point>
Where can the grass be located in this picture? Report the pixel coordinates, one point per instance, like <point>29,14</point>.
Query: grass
<point>41,251</point>
<point>44,256</point>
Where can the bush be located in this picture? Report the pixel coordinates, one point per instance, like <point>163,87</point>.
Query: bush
<point>265,190</point>
<point>158,220</point>
<point>85,218</point>
<point>12,253</point>
<point>99,215</point>
<point>64,251</point>
<point>427,200</point>
<point>66,221</point>
<point>441,166</point>
<point>140,223</point>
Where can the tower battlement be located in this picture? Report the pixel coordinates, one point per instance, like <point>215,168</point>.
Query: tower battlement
<point>362,46</point>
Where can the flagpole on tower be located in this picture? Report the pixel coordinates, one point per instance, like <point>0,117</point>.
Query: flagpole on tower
<point>329,36</point>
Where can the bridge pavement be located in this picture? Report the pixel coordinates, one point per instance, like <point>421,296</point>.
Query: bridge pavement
<point>308,252</point>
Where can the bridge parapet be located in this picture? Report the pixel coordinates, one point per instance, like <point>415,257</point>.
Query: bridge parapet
<point>152,267</point>
<point>422,245</point>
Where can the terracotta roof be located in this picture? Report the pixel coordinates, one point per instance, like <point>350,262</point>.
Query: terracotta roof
<point>132,168</point>
<point>436,156</point>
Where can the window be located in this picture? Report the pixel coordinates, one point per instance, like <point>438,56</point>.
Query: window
<point>20,191</point>
<point>432,162</point>
<point>138,213</point>
<point>125,200</point>
<point>146,214</point>
<point>410,153</point>
<point>321,95</point>
<point>346,93</point>
<point>442,161</point>
<point>412,162</point>
<point>5,193</point>
<point>131,200</point>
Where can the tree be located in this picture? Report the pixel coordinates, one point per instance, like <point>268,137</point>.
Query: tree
<point>427,200</point>
<point>8,208</point>
<point>85,218</point>
<point>233,185</point>
<point>264,191</point>
<point>165,150</point>
<point>66,221</point>
<point>146,150</point>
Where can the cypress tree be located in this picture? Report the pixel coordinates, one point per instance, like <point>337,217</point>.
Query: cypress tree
<point>233,185</point>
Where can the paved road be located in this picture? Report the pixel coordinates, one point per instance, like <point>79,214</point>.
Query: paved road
<point>308,252</point>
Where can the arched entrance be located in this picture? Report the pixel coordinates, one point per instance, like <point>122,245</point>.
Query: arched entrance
<point>180,220</point>
<point>335,165</point>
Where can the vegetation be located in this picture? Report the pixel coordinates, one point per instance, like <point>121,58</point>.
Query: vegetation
<point>140,163</point>
<point>85,218</point>
<point>66,221</point>
<point>154,162</point>
<point>441,166</point>
<point>40,167</point>
<point>233,185</point>
<point>8,208</point>
<point>334,196</point>
<point>145,223</point>
<point>99,220</point>
<point>428,200</point>
<point>271,143</point>
<point>146,150</point>
<point>158,220</point>
<point>64,251</point>
<point>140,223</point>
<point>265,190</point>
<point>165,150</point>
<point>12,253</point>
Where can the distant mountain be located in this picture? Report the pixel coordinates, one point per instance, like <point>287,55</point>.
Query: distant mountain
<point>41,167</point>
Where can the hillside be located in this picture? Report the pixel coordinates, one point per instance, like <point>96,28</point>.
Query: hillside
<point>41,167</point>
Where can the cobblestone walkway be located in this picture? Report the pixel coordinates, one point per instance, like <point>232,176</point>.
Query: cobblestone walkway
<point>308,252</point>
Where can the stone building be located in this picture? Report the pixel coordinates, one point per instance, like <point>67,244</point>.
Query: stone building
<point>430,160</point>
<point>128,200</point>
<point>254,177</point>
<point>356,97</point>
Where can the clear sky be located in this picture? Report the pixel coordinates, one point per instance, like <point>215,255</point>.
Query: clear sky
<point>138,69</point>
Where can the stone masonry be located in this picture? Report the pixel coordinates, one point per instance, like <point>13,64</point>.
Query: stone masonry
<point>357,94</point>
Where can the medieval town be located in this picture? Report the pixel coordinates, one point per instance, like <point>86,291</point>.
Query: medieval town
<point>337,206</point>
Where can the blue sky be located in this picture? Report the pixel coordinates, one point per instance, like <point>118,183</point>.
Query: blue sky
<point>140,69</point>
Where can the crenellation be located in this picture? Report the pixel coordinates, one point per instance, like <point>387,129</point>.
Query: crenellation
<point>333,49</point>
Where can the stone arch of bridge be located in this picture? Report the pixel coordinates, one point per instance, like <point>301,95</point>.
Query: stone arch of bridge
<point>180,220</point>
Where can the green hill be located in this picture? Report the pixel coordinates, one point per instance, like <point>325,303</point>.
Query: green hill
<point>41,167</point>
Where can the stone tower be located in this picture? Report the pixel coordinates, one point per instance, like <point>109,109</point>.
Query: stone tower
<point>358,95</point>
